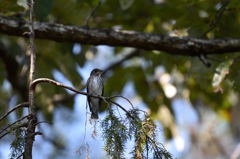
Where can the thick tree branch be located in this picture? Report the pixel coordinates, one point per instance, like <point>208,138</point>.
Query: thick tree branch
<point>174,45</point>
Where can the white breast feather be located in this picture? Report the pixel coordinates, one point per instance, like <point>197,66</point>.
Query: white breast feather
<point>96,88</point>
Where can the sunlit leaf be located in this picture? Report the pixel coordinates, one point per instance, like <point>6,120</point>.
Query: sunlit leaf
<point>221,71</point>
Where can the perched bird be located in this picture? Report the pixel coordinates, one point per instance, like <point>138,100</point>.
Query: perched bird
<point>94,87</point>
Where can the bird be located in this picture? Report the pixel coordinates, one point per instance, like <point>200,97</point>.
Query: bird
<point>94,87</point>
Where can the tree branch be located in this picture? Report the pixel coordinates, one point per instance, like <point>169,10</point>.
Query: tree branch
<point>173,45</point>
<point>46,80</point>
<point>218,16</point>
<point>20,125</point>
<point>115,103</point>
<point>108,99</point>
<point>14,108</point>
<point>119,96</point>
<point>10,125</point>
<point>93,12</point>
<point>27,154</point>
<point>127,57</point>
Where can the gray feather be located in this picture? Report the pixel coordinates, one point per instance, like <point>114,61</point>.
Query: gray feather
<point>94,87</point>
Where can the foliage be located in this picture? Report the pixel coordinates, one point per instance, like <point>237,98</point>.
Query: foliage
<point>144,132</point>
<point>114,132</point>
<point>213,85</point>
<point>117,131</point>
<point>18,144</point>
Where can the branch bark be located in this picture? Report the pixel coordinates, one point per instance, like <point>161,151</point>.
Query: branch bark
<point>147,41</point>
<point>32,107</point>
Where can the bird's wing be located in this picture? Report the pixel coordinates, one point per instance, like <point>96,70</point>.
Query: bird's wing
<point>88,98</point>
<point>100,101</point>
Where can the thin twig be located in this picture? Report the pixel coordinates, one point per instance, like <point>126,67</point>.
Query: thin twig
<point>10,125</point>
<point>93,12</point>
<point>135,53</point>
<point>38,133</point>
<point>116,96</point>
<point>14,108</point>
<point>204,60</point>
<point>155,146</point>
<point>20,156</point>
<point>40,122</point>
<point>12,129</point>
<point>218,16</point>
<point>121,108</point>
